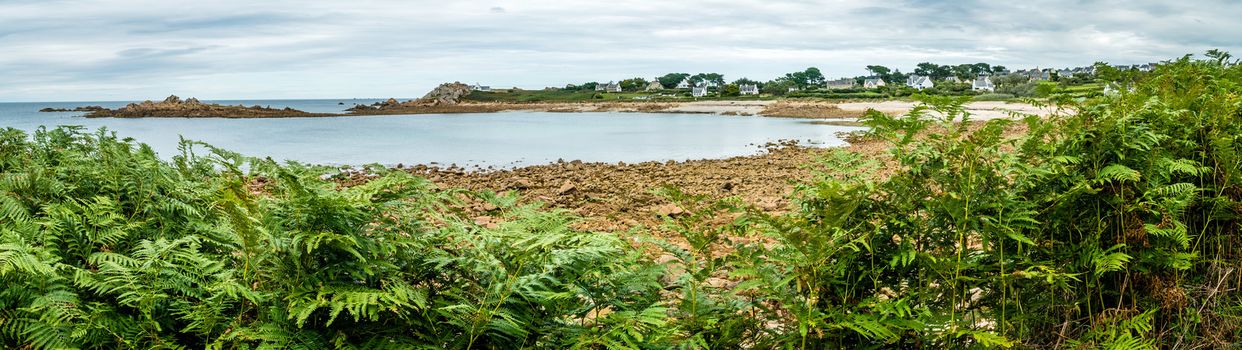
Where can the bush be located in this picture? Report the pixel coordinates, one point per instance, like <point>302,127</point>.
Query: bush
<point>104,245</point>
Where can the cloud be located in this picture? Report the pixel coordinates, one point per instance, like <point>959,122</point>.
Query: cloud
<point>133,49</point>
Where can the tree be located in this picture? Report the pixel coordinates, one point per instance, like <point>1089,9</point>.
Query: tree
<point>980,68</point>
<point>633,84</point>
<point>671,80</point>
<point>810,76</point>
<point>777,87</point>
<point>880,71</point>
<point>998,70</point>
<point>926,68</point>
<point>714,78</point>
<point>731,90</point>
<point>745,81</point>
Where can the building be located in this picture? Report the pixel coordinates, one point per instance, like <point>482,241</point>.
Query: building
<point>872,83</point>
<point>983,83</point>
<point>952,79</point>
<point>655,85</point>
<point>1036,74</point>
<point>1065,73</point>
<point>843,83</point>
<point>483,88</point>
<point>749,89</point>
<point>610,87</point>
<point>684,84</point>
<point>699,91</point>
<point>919,82</point>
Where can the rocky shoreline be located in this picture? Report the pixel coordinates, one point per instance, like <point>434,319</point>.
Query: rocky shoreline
<point>619,196</point>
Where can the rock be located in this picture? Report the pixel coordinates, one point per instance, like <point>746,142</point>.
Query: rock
<point>669,210</point>
<point>519,183</point>
<point>446,94</point>
<point>172,99</point>
<point>75,109</point>
<point>486,221</point>
<point>566,188</point>
<point>720,283</point>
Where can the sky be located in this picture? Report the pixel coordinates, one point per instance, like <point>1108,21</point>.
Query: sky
<point>61,50</point>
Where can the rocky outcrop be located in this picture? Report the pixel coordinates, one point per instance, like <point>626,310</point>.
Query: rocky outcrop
<point>75,109</point>
<point>175,107</point>
<point>445,95</point>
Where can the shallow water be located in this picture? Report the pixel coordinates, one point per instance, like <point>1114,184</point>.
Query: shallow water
<point>505,139</point>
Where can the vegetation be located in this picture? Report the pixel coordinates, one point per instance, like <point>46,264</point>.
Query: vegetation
<point>1113,227</point>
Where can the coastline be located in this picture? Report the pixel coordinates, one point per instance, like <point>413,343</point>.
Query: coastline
<point>783,108</point>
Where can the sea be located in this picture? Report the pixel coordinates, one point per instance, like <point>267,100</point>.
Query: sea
<point>474,140</point>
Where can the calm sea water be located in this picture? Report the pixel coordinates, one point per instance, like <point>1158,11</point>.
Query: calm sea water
<point>487,139</point>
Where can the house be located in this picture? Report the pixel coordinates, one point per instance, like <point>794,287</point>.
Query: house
<point>983,83</point>
<point>843,83</point>
<point>872,83</point>
<point>793,88</point>
<point>952,79</point>
<point>919,82</point>
<point>655,85</point>
<point>483,88</point>
<point>610,87</point>
<point>749,89</point>
<point>684,84</point>
<point>699,91</point>
<point>1037,74</point>
<point>1110,89</point>
<point>1065,73</point>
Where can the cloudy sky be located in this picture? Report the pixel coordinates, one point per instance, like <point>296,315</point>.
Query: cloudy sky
<point>66,50</point>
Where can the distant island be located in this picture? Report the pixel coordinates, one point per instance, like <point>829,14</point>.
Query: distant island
<point>175,107</point>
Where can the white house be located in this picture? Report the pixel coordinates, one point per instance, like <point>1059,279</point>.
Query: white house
<point>477,87</point>
<point>684,84</point>
<point>872,83</point>
<point>843,83</point>
<point>749,89</point>
<point>983,83</point>
<point>699,91</point>
<point>919,82</point>
<point>952,79</point>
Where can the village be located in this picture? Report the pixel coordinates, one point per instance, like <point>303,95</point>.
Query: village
<point>981,81</point>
